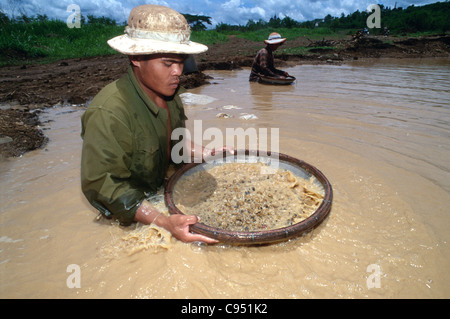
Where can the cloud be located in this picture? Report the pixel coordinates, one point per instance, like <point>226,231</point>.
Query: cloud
<point>226,11</point>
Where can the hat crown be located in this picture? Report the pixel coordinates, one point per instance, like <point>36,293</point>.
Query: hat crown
<point>158,23</point>
<point>274,36</point>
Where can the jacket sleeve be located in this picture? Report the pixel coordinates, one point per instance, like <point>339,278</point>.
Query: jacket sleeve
<point>105,162</point>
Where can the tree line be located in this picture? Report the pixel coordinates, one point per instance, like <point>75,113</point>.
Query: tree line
<point>24,19</point>
<point>433,17</point>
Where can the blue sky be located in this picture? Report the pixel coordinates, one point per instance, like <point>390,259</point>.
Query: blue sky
<point>226,11</point>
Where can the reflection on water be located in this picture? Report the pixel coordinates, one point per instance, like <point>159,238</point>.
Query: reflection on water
<point>379,131</point>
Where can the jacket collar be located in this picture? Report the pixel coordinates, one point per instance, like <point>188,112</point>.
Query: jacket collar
<point>145,98</point>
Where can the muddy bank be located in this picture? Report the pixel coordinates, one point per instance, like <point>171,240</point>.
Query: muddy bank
<point>20,132</point>
<point>27,88</point>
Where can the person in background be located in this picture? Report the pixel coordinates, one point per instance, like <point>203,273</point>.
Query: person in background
<point>263,63</point>
<point>127,127</point>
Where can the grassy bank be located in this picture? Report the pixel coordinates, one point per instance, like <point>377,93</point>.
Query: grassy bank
<point>48,41</point>
<point>38,39</point>
<point>289,33</point>
<point>52,40</point>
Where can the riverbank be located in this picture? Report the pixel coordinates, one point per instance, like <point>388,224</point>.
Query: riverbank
<point>26,89</point>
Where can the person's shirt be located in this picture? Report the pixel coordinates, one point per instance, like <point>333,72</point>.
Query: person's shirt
<point>125,142</point>
<point>263,64</point>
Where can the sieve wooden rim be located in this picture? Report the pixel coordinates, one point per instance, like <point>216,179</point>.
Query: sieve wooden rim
<point>263,236</point>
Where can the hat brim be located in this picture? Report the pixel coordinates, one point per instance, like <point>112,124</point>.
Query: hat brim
<point>132,46</point>
<point>276,41</point>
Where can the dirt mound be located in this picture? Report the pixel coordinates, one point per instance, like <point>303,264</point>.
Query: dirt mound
<point>19,132</point>
<point>377,47</point>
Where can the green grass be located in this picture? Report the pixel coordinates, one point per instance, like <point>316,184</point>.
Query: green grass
<point>52,40</point>
<point>290,34</point>
<point>208,37</point>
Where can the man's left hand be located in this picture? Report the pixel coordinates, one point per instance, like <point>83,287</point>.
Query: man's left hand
<point>178,225</point>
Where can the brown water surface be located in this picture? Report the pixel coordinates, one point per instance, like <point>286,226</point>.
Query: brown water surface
<point>379,131</point>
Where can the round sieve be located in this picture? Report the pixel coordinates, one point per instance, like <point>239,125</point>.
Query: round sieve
<point>296,166</point>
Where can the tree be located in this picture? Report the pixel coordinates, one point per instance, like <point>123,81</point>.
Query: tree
<point>275,22</point>
<point>197,21</point>
<point>288,22</point>
<point>100,20</point>
<point>3,18</point>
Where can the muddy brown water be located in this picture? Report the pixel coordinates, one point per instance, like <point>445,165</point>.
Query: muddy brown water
<point>379,131</point>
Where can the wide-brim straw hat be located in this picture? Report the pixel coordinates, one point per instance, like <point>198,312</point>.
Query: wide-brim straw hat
<point>274,38</point>
<point>156,29</point>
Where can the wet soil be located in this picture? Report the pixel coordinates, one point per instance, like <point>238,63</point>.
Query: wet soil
<point>26,89</point>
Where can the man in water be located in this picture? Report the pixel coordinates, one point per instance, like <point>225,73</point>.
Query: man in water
<point>263,63</point>
<point>127,127</point>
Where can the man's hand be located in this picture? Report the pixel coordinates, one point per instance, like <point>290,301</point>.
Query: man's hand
<point>178,226</point>
<point>211,152</point>
<point>198,150</point>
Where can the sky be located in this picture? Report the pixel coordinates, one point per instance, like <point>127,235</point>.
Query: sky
<point>234,12</point>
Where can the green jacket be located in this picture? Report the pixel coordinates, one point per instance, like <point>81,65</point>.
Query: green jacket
<point>124,155</point>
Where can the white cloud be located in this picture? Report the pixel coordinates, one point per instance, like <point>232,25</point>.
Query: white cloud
<point>236,12</point>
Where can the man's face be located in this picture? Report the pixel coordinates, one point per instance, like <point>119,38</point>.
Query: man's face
<point>159,73</point>
<point>275,46</point>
